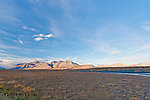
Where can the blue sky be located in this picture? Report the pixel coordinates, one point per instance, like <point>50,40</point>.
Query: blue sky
<point>84,31</point>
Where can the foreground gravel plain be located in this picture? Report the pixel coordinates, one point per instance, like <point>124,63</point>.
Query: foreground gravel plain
<point>67,85</point>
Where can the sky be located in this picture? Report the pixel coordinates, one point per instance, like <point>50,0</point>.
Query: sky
<point>83,31</point>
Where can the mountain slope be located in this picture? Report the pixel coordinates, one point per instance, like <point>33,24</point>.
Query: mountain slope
<point>42,65</point>
<point>63,64</point>
<point>45,65</point>
<point>24,65</point>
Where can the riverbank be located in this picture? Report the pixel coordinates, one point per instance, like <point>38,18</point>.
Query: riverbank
<point>36,84</point>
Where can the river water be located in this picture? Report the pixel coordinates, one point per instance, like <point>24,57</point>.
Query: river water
<point>120,72</point>
<point>140,74</point>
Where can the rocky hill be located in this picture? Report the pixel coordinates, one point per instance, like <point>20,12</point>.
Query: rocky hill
<point>63,64</point>
<point>84,66</point>
<point>46,65</point>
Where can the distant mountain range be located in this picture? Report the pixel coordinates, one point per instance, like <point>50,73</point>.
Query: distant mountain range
<point>67,65</point>
<point>51,65</point>
<point>123,65</point>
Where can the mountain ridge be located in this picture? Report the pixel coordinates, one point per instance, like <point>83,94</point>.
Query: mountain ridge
<point>68,65</point>
<point>46,65</point>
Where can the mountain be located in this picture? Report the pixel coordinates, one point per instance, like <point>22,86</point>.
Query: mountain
<point>24,66</point>
<point>46,65</point>
<point>63,64</point>
<point>32,65</point>
<point>84,66</point>
<point>123,65</point>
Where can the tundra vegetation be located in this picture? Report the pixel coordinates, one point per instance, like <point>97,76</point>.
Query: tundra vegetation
<point>71,85</point>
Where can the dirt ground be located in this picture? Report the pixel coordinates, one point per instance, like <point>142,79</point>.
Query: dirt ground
<point>67,85</point>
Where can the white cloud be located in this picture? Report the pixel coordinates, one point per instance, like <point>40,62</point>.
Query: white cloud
<point>146,26</point>
<point>2,51</point>
<point>28,28</point>
<point>9,62</point>
<point>39,35</point>
<point>20,41</point>
<point>114,52</point>
<point>53,58</point>
<point>63,59</point>
<point>49,35</point>
<point>6,63</point>
<point>24,27</point>
<point>38,39</point>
